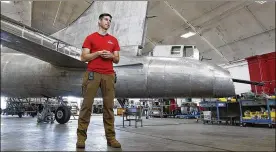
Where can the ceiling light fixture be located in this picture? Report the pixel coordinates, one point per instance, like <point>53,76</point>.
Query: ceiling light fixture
<point>5,1</point>
<point>189,34</point>
<point>260,2</point>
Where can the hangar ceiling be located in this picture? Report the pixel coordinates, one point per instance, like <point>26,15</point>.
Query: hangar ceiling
<point>52,16</point>
<point>19,11</point>
<point>229,30</point>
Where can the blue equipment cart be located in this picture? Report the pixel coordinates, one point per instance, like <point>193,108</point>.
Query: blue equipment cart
<point>217,111</point>
<point>251,114</point>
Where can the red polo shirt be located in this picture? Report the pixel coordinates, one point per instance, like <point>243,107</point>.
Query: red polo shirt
<point>97,42</point>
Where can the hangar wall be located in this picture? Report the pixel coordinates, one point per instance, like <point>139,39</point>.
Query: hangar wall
<point>127,24</point>
<point>259,68</point>
<point>262,69</point>
<point>240,71</point>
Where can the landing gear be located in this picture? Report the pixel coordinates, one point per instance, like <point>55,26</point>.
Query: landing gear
<point>46,115</point>
<point>51,112</point>
<point>62,114</point>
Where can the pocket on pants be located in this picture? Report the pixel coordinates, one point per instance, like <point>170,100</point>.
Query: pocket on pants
<point>113,81</point>
<point>84,83</point>
<point>108,83</point>
<point>83,90</point>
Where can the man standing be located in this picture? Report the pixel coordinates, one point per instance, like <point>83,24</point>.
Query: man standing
<point>100,50</point>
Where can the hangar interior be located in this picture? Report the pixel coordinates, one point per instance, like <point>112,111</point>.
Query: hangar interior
<point>192,76</point>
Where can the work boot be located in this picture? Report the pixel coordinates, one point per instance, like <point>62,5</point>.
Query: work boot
<point>80,143</point>
<point>113,143</point>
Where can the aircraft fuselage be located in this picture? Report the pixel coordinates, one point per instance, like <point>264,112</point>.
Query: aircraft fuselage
<point>158,77</point>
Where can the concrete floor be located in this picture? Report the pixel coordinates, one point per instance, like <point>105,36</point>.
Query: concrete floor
<point>157,134</point>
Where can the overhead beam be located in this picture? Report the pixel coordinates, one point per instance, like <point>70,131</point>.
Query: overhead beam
<point>219,34</point>
<point>196,19</point>
<point>221,13</point>
<point>151,41</point>
<point>194,29</point>
<point>217,14</point>
<point>241,39</point>
<point>57,14</point>
<point>258,21</point>
<point>71,15</point>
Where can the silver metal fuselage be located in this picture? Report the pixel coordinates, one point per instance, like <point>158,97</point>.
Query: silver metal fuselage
<point>158,77</point>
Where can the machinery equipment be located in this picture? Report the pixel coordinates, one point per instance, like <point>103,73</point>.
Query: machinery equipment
<point>189,110</point>
<point>20,107</point>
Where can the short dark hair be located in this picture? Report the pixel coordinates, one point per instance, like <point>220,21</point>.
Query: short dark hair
<point>103,15</point>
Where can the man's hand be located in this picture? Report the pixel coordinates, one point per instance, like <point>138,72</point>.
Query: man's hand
<point>100,53</point>
<point>86,56</point>
<point>107,54</point>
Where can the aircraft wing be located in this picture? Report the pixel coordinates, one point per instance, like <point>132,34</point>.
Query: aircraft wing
<point>38,51</point>
<point>32,42</point>
<point>51,56</point>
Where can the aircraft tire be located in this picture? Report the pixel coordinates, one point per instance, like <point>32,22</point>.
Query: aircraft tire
<point>62,114</point>
<point>20,114</point>
<point>69,114</point>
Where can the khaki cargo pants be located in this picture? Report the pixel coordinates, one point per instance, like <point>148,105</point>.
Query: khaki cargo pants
<point>89,90</point>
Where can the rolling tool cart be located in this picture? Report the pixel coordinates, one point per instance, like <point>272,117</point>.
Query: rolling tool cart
<point>261,111</point>
<point>231,113</point>
<point>218,111</point>
<point>211,112</point>
<point>136,112</point>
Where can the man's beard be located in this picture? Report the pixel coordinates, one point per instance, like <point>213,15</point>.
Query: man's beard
<point>105,28</point>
